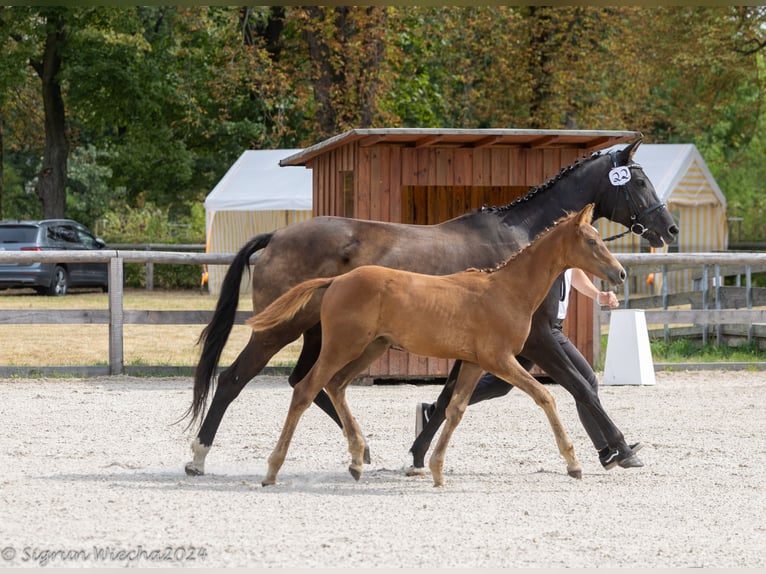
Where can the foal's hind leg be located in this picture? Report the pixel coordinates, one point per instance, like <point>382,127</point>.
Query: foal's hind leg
<point>336,389</point>
<point>466,382</point>
<point>303,394</point>
<point>312,343</point>
<point>333,364</point>
<point>251,360</point>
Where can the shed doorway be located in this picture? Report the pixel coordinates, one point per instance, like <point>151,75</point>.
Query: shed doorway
<point>432,204</point>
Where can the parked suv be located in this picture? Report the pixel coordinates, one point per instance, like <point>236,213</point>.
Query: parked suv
<point>50,278</point>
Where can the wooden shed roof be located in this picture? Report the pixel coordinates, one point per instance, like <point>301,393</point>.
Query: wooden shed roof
<point>591,140</point>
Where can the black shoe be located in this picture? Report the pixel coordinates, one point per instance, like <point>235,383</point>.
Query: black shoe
<point>613,458</point>
<point>422,416</point>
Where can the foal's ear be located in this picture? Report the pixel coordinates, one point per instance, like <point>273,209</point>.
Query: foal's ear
<point>625,155</point>
<point>585,217</point>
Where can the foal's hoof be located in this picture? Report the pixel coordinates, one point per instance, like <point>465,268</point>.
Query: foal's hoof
<point>575,473</point>
<point>415,471</point>
<point>192,470</point>
<point>355,472</point>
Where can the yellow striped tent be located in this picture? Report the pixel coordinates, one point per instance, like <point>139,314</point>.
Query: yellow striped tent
<point>255,196</point>
<point>684,182</point>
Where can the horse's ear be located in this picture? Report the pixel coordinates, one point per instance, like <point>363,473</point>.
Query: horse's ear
<point>625,155</point>
<point>586,215</point>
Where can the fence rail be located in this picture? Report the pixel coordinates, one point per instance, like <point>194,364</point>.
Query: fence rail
<point>116,317</point>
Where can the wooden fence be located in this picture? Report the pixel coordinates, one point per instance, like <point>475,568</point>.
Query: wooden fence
<point>709,311</point>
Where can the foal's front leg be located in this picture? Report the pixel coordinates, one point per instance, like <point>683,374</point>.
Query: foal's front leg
<point>513,372</point>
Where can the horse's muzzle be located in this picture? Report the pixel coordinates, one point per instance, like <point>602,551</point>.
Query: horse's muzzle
<point>619,277</point>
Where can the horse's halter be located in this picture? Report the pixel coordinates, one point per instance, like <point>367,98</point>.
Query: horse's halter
<point>635,218</point>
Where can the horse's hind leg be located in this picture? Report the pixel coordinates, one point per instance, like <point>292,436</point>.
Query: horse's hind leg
<point>250,361</point>
<point>466,382</point>
<point>231,381</point>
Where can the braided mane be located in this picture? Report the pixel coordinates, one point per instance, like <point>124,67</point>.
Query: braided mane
<point>537,238</point>
<point>544,186</point>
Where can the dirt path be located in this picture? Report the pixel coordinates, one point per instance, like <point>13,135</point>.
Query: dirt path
<point>93,475</point>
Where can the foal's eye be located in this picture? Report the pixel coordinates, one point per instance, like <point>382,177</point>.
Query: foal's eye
<point>591,242</point>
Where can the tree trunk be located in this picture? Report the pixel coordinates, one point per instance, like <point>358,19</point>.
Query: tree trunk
<point>2,158</point>
<point>51,182</point>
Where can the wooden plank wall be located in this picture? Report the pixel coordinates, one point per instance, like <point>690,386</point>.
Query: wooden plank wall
<point>457,180</point>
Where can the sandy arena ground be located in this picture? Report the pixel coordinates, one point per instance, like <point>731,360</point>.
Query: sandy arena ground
<point>93,476</point>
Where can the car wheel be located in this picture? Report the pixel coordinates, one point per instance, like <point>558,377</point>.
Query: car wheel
<point>59,282</point>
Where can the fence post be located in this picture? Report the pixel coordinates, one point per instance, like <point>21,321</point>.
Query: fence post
<point>116,317</point>
<point>149,270</point>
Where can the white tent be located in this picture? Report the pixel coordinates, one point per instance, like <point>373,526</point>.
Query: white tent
<point>255,196</point>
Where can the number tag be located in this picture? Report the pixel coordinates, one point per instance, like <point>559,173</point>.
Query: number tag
<point>619,175</point>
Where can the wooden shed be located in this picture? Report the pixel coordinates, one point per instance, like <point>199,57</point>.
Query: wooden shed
<point>426,176</point>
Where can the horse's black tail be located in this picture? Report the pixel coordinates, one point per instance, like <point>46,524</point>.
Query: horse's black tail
<point>214,336</point>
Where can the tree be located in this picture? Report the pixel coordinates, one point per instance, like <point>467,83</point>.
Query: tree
<point>51,182</point>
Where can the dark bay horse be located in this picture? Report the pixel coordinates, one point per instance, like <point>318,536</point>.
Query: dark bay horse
<point>482,319</point>
<point>329,246</point>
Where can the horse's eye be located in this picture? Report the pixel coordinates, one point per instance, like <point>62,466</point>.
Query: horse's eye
<point>591,242</point>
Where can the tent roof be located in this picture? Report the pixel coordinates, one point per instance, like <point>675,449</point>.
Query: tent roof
<point>667,164</point>
<point>256,182</point>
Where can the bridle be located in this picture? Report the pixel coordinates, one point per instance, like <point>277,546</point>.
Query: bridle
<point>635,217</point>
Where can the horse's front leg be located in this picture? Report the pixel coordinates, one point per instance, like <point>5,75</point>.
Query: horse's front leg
<point>466,382</point>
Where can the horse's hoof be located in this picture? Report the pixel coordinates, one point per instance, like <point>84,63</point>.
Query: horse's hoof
<point>415,471</point>
<point>192,470</point>
<point>575,473</point>
<point>355,472</point>
<point>366,454</point>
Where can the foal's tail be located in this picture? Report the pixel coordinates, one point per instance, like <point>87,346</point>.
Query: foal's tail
<point>287,305</point>
<point>213,337</point>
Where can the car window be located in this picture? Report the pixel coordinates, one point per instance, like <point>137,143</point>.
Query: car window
<point>18,234</point>
<point>65,233</point>
<point>87,239</point>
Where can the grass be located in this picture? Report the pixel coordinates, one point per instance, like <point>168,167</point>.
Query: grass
<point>143,345</point>
<point>690,351</point>
<point>685,350</point>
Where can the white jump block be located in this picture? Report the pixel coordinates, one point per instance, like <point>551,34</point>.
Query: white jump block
<point>628,354</point>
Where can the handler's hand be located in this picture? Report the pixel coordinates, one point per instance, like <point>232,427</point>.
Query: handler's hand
<point>608,299</point>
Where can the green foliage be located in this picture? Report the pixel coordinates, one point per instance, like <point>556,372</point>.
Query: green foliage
<point>152,224</point>
<point>160,100</point>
